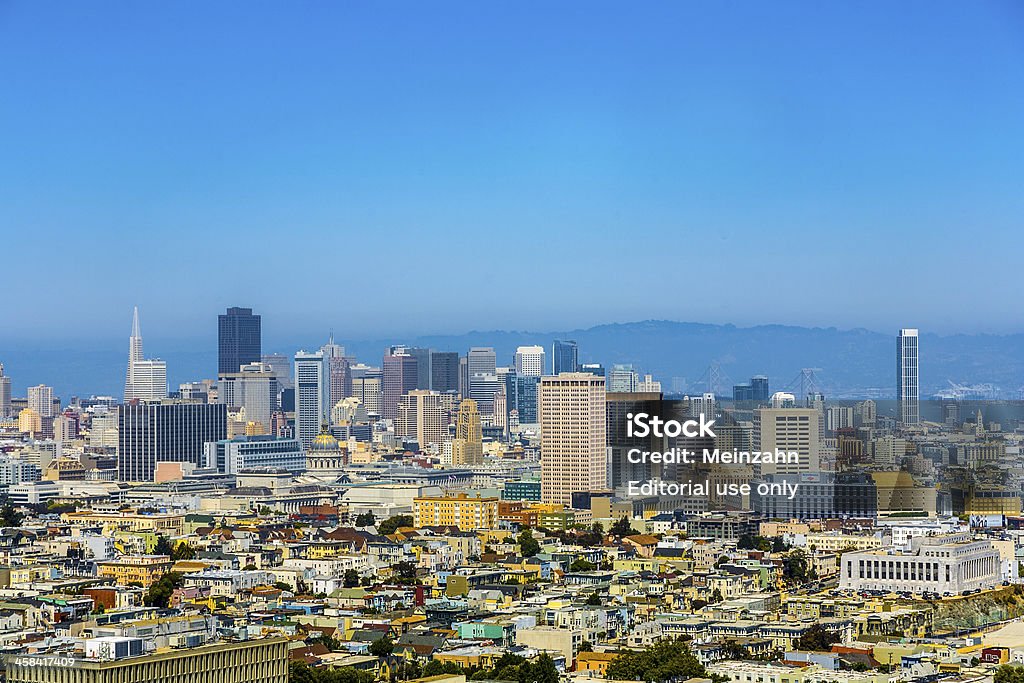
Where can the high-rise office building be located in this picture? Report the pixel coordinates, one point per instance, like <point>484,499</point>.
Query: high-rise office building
<point>444,371</point>
<point>467,447</point>
<point>483,387</point>
<point>312,395</point>
<point>5,393</point>
<point>529,361</point>
<point>424,416</point>
<point>794,430</point>
<point>254,389</point>
<point>564,357</point>
<point>40,399</point>
<point>239,339</point>
<point>622,379</point>
<point>340,377</point>
<point>145,380</point>
<point>756,390</point>
<point>907,380</point>
<point>281,366</point>
<point>526,399</point>
<point>399,377</point>
<point>571,409</point>
<point>424,372</point>
<point>482,377</point>
<point>152,432</point>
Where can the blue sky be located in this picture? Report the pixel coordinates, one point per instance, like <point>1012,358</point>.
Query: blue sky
<point>429,167</point>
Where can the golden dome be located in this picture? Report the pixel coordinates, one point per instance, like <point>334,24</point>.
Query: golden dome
<point>324,442</point>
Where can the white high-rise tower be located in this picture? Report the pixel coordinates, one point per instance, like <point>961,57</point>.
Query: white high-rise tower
<point>145,380</point>
<point>907,377</point>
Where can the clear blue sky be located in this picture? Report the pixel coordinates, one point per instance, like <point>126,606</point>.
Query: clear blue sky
<point>428,167</point>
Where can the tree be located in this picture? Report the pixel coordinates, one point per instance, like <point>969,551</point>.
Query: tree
<point>795,567</point>
<point>9,516</point>
<point>621,528</point>
<point>351,578</point>
<point>392,524</point>
<point>405,572</point>
<point>716,596</point>
<point>594,599</point>
<point>581,565</point>
<point>160,592</point>
<point>778,545</point>
<point>1009,673</point>
<point>163,547</point>
<point>818,638</point>
<point>366,519</point>
<point>183,551</point>
<point>528,545</point>
<point>382,647</point>
<point>586,646</point>
<point>663,661</point>
<point>281,585</point>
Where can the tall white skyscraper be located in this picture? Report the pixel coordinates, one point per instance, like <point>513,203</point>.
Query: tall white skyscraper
<point>907,377</point>
<point>40,399</point>
<point>530,361</point>
<point>145,380</point>
<point>312,395</point>
<point>5,393</point>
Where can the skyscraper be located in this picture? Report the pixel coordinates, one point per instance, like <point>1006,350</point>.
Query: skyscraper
<point>40,399</point>
<point>481,372</point>
<point>399,377</point>
<point>530,361</point>
<point>148,433</point>
<point>5,393</point>
<point>424,416</point>
<point>444,371</point>
<point>623,379</point>
<point>312,395</point>
<point>564,356</point>
<point>907,376</point>
<point>788,429</point>
<point>571,409</point>
<point>145,380</point>
<point>238,339</point>
<point>254,388</point>
<point>467,447</point>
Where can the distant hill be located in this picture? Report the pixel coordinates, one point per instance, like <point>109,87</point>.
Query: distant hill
<point>847,362</point>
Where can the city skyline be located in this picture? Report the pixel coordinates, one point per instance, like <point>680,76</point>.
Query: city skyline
<point>188,361</point>
<point>769,142</point>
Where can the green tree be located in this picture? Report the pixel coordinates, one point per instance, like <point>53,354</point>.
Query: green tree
<point>366,519</point>
<point>663,661</point>
<point>184,551</point>
<point>163,547</point>
<point>778,545</point>
<point>594,599</point>
<point>528,545</point>
<point>382,647</point>
<point>351,578</point>
<point>1009,673</point>
<point>9,516</point>
<point>795,567</point>
<point>716,596</point>
<point>392,524</point>
<point>818,638</point>
<point>621,528</point>
<point>581,565</point>
<point>160,592</point>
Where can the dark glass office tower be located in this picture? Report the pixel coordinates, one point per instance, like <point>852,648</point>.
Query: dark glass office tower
<point>149,433</point>
<point>564,357</point>
<point>238,339</point>
<point>444,371</point>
